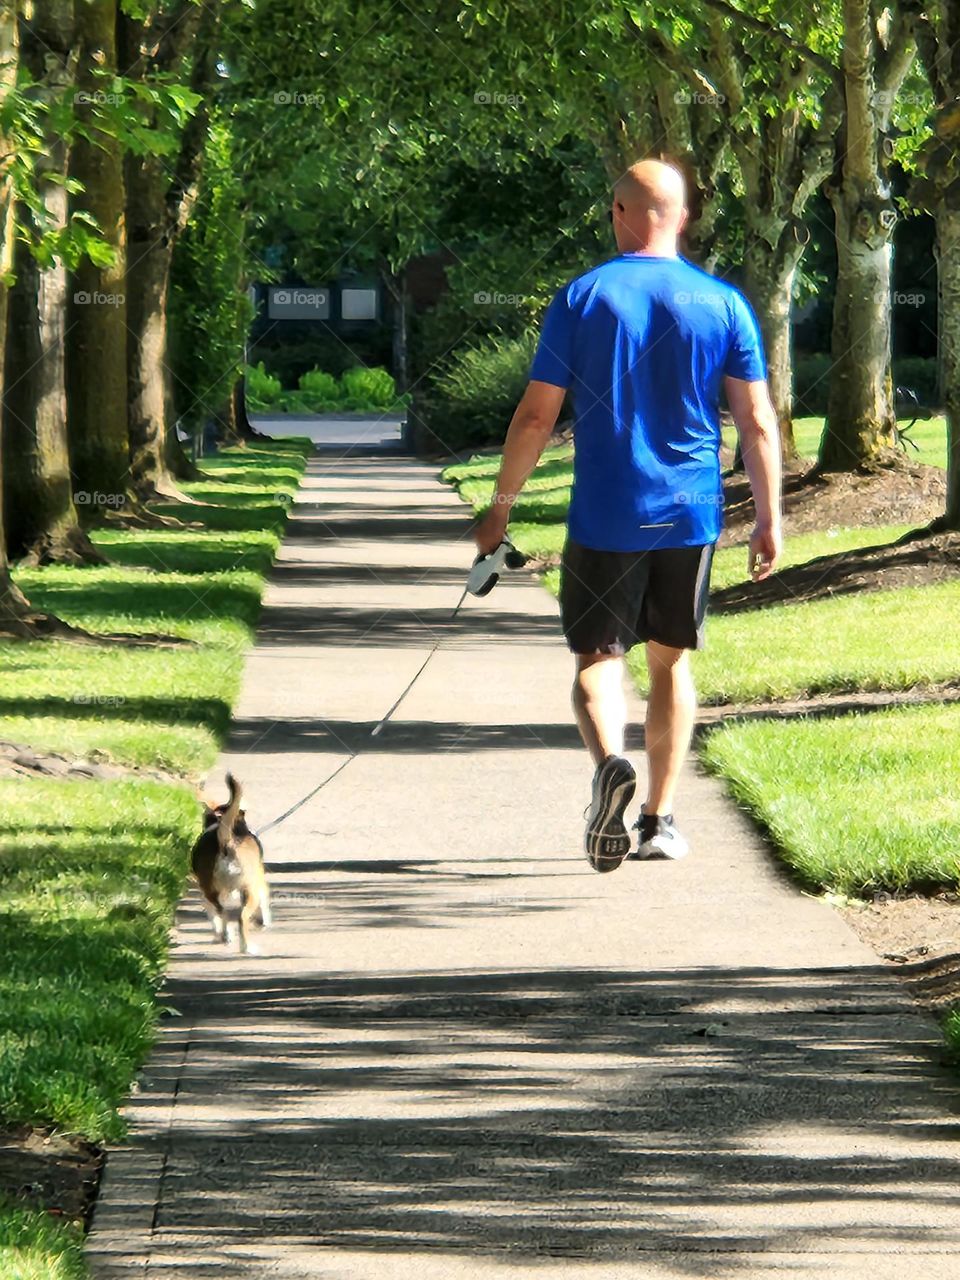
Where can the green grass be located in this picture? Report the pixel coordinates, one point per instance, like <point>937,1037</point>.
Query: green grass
<point>92,870</point>
<point>91,875</point>
<point>930,437</point>
<point>730,563</point>
<point>160,706</point>
<point>34,1246</point>
<point>878,640</point>
<point>856,804</point>
<point>951,1031</point>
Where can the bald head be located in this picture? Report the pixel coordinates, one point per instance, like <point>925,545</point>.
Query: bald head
<point>649,208</point>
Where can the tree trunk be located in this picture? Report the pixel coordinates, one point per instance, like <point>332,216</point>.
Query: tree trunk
<point>159,198</point>
<point>860,413</point>
<point>42,523</point>
<point>861,421</point>
<point>16,617</point>
<point>177,462</point>
<point>225,416</point>
<point>149,251</point>
<point>948,261</point>
<point>13,606</point>
<point>41,519</point>
<point>241,417</point>
<point>96,316</point>
<point>768,283</point>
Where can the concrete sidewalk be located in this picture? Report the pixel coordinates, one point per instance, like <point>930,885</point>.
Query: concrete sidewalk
<point>465,1054</point>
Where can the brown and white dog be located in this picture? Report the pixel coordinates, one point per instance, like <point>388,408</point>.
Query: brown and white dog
<point>227,861</point>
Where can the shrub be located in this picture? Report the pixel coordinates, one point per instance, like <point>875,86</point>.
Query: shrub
<point>295,402</point>
<point>320,391</point>
<point>263,389</point>
<point>367,389</point>
<point>472,400</point>
<point>361,389</point>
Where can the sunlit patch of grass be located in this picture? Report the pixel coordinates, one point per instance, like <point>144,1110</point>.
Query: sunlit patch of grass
<point>91,874</point>
<point>162,706</point>
<point>857,803</point>
<point>34,1246</point>
<point>92,870</point>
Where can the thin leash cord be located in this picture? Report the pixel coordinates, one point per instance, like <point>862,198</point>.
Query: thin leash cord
<point>374,732</point>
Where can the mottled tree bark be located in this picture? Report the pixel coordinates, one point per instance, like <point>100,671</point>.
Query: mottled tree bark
<point>769,274</point>
<point>17,618</point>
<point>159,199</point>
<point>936,25</point>
<point>96,312</point>
<point>861,421</point>
<point>41,519</point>
<point>948,259</point>
<point>13,606</point>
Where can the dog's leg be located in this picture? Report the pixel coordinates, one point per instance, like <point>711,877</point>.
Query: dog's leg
<point>266,917</point>
<point>247,912</point>
<point>216,918</point>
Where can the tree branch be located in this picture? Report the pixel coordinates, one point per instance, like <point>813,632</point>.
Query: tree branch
<point>895,59</point>
<point>776,33</point>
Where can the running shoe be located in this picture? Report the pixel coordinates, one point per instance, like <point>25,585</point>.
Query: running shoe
<point>607,840</point>
<point>659,837</point>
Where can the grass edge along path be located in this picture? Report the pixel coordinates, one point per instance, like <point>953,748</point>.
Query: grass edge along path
<point>93,870</point>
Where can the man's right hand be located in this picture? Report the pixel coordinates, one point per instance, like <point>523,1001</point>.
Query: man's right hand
<point>491,530</point>
<point>766,546</point>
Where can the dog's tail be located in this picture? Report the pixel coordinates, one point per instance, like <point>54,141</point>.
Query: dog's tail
<point>229,816</point>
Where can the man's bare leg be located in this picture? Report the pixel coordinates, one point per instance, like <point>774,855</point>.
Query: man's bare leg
<point>671,706</point>
<point>599,704</point>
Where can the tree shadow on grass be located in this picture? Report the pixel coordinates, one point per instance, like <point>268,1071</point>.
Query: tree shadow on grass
<point>184,554</point>
<point>212,712</point>
<point>237,515</point>
<point>150,599</point>
<point>919,558</point>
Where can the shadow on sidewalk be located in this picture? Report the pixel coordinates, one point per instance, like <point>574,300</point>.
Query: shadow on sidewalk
<point>416,737</point>
<point>334,626</point>
<point>291,573</point>
<point>587,1114</point>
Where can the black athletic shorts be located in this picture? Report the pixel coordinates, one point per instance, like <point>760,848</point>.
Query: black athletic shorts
<point>612,600</point>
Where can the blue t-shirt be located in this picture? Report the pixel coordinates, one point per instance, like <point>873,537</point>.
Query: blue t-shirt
<point>644,344</point>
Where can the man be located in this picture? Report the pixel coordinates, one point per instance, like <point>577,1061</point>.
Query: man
<point>645,343</point>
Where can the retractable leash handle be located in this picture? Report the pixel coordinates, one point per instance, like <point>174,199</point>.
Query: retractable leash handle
<point>488,568</point>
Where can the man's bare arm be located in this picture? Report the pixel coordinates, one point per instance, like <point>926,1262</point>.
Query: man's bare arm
<point>530,428</point>
<point>756,420</point>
